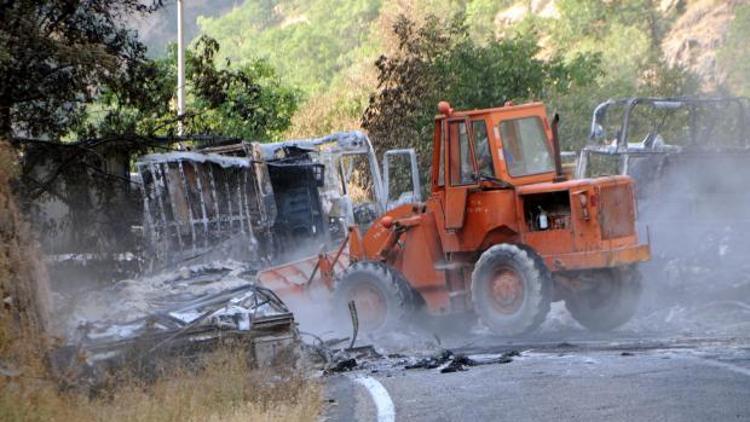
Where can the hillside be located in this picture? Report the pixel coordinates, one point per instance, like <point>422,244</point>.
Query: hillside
<point>160,29</point>
<point>327,48</point>
<point>698,35</point>
<point>309,42</point>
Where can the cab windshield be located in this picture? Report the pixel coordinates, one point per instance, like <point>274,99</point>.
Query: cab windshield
<point>525,146</point>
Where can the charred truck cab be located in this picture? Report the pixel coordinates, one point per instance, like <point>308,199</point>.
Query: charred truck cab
<point>502,234</point>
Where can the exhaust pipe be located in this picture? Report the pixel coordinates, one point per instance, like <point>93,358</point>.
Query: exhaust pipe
<point>559,176</point>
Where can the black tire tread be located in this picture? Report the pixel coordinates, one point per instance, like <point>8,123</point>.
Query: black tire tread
<point>533,268</point>
<point>392,282</point>
<point>617,313</point>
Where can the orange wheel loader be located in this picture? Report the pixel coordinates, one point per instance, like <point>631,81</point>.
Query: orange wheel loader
<point>503,234</point>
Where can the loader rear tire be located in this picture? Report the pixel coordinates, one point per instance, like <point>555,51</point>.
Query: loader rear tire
<point>511,289</point>
<point>610,303</point>
<point>383,297</point>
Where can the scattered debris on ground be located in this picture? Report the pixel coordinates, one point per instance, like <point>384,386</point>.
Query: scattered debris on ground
<point>368,358</point>
<point>447,361</point>
<point>183,313</point>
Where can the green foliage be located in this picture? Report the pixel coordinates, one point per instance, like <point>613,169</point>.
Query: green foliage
<point>55,54</point>
<point>246,101</point>
<point>582,19</point>
<point>326,48</point>
<point>142,108</point>
<point>626,35</point>
<point>307,41</point>
<point>734,54</point>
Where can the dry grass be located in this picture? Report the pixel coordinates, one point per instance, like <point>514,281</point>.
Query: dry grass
<point>223,390</point>
<point>24,292</point>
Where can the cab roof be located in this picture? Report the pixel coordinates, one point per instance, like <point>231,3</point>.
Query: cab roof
<point>475,112</point>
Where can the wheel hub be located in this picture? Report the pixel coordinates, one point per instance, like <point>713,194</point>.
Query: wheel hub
<point>506,291</point>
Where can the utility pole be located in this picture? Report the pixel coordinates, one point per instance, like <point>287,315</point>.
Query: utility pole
<point>180,68</point>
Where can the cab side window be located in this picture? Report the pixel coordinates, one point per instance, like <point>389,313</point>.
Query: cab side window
<point>441,165</point>
<point>461,168</point>
<point>525,147</point>
<point>482,148</point>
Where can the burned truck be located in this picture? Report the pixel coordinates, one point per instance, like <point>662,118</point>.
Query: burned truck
<point>110,212</point>
<point>268,203</point>
<point>689,157</point>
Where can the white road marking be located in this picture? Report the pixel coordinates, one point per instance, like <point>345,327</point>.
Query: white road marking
<point>383,403</point>
<point>735,368</point>
<point>714,362</point>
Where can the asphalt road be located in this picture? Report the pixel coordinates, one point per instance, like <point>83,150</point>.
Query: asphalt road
<point>583,378</point>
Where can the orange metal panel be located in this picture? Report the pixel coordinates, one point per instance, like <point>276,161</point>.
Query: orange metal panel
<point>293,279</point>
<point>456,212</point>
<point>378,236</point>
<point>486,211</point>
<point>616,211</point>
<point>420,250</point>
<point>449,239</point>
<point>598,259</point>
<point>550,242</point>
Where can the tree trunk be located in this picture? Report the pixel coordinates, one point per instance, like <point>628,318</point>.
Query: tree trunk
<point>6,126</point>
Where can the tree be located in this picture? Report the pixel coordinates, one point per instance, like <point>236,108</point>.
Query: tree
<point>245,102</point>
<point>399,111</point>
<point>733,55</point>
<point>440,61</point>
<point>56,54</point>
<point>248,102</point>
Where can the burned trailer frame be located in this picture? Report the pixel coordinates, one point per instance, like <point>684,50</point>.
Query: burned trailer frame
<point>712,133</point>
<point>82,201</point>
<point>698,138</point>
<point>690,180</point>
<point>198,205</point>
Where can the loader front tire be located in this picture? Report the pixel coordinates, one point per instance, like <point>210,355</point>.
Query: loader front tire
<point>511,289</point>
<point>609,302</point>
<point>382,296</point>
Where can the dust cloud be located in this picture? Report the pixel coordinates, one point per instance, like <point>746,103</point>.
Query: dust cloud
<point>698,216</point>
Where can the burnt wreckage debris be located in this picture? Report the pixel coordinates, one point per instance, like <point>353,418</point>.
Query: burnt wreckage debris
<point>245,203</point>
<point>368,358</point>
<point>181,313</point>
<point>446,361</point>
<point>259,204</point>
<point>194,203</point>
<point>274,202</point>
<point>688,157</point>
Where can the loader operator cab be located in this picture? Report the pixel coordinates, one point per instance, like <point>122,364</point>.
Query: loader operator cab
<point>494,148</point>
